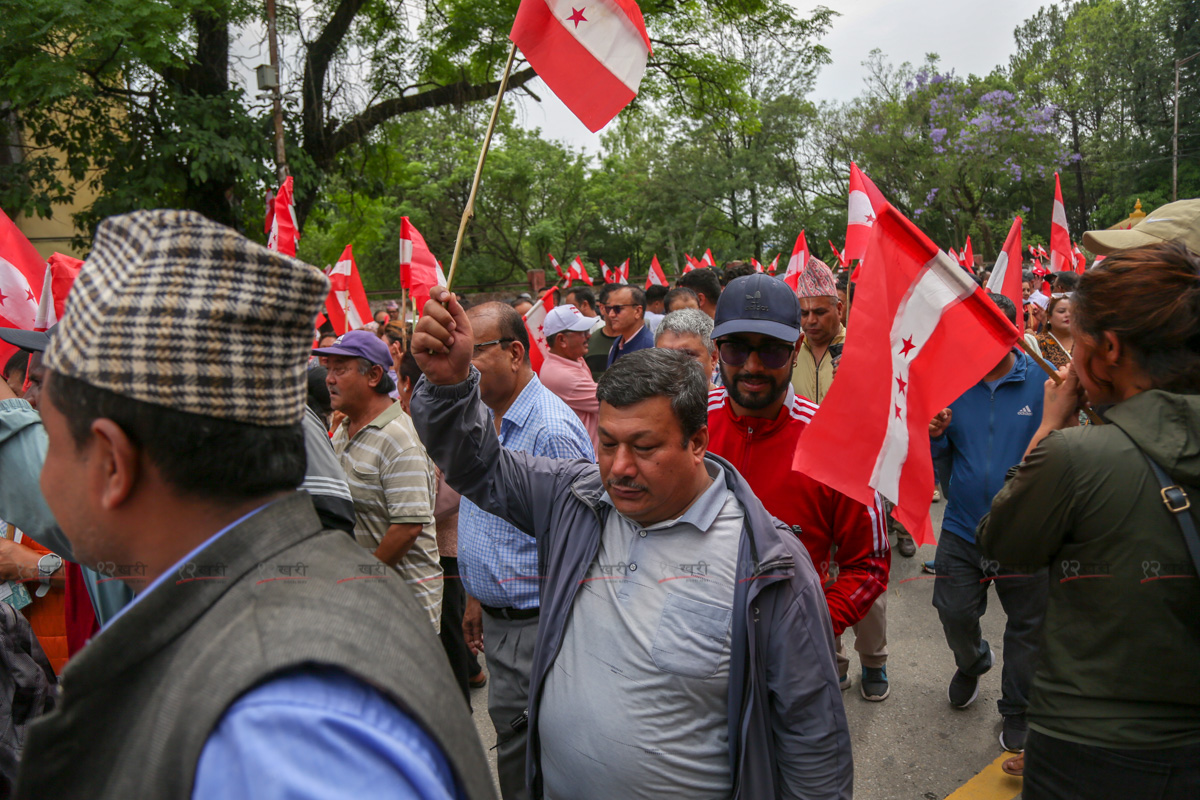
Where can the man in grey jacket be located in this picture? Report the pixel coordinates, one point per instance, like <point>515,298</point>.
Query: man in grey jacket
<point>685,645</point>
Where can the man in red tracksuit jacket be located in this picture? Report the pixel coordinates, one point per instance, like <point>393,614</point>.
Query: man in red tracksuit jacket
<point>755,421</point>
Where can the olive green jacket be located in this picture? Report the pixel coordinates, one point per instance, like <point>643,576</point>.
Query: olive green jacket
<point>1120,660</point>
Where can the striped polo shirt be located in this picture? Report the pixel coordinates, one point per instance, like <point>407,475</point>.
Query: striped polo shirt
<point>392,482</point>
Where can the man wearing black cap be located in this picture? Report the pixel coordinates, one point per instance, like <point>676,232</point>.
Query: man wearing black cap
<point>282,655</point>
<point>755,420</point>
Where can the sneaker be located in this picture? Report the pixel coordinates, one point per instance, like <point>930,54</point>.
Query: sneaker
<point>906,546</point>
<point>844,682</point>
<point>874,684</point>
<point>1013,733</point>
<point>963,689</point>
<point>928,566</point>
<point>937,495</point>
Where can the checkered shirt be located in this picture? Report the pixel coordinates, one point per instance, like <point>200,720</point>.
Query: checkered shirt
<point>393,482</point>
<point>497,562</point>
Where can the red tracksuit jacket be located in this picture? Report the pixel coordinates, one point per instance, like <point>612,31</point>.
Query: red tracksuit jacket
<point>832,526</point>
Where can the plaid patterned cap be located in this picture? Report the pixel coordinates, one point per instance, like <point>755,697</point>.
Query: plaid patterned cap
<point>173,309</point>
<point>816,280</point>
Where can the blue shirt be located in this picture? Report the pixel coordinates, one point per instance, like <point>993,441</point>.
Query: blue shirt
<point>315,732</point>
<point>319,733</point>
<point>642,340</point>
<point>497,562</point>
<point>990,428</point>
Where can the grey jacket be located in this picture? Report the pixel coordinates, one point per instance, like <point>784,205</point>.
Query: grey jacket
<point>787,727</point>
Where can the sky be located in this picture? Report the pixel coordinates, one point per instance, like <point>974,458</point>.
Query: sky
<point>971,36</point>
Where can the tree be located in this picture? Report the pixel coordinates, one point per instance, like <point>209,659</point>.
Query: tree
<point>138,92</point>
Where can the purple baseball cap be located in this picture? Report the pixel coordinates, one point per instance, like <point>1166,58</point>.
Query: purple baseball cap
<point>359,344</point>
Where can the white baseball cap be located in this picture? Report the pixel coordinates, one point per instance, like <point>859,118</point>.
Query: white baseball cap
<point>565,318</point>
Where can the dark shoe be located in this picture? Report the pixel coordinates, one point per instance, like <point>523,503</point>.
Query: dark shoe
<point>906,546</point>
<point>963,689</point>
<point>1014,766</point>
<point>844,682</point>
<point>478,680</point>
<point>874,684</point>
<point>929,566</point>
<point>1013,733</point>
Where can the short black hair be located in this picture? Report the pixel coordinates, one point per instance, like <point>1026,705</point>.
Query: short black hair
<point>656,292</point>
<point>735,269</point>
<point>1065,281</point>
<point>409,368</point>
<point>657,372</point>
<point>606,290</point>
<point>675,294</point>
<point>636,295</point>
<point>318,392</point>
<point>201,456</point>
<point>702,281</point>
<point>18,361</point>
<point>1005,305</point>
<point>583,295</point>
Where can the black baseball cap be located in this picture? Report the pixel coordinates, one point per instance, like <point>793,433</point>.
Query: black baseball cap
<point>29,341</point>
<point>758,303</point>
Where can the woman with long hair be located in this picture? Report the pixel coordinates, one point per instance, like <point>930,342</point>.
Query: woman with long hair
<point>1115,705</point>
<point>1056,340</point>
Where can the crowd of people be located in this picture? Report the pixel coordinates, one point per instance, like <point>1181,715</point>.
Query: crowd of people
<point>244,560</point>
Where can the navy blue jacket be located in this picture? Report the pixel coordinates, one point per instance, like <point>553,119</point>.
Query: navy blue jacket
<point>987,435</point>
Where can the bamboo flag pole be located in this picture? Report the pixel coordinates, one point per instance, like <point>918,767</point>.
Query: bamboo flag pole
<point>469,211</point>
<point>403,319</point>
<point>1054,376</point>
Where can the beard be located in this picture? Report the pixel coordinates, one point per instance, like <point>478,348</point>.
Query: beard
<point>758,399</point>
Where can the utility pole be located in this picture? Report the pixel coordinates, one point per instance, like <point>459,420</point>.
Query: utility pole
<point>277,99</point>
<point>1175,138</point>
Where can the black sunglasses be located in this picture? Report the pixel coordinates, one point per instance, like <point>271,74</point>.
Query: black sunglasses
<point>772,355</point>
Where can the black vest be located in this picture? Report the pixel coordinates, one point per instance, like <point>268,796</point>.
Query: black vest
<point>275,593</point>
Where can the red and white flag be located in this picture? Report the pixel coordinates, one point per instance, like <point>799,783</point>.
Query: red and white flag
<point>346,307</point>
<point>1006,272</point>
<point>1097,261</point>
<point>562,275</point>
<point>774,264</point>
<point>61,272</point>
<point>864,197</point>
<point>419,270</point>
<point>967,258</point>
<point>623,273</point>
<point>535,321</point>
<point>1081,264</point>
<point>577,271</point>
<point>593,58</point>
<point>656,277</point>
<point>1060,238</point>
<point>609,275</point>
<point>21,268</point>
<point>924,332</point>
<point>841,259</point>
<point>754,263</point>
<point>691,263</point>
<point>797,263</point>
<point>282,229</point>
<point>708,260</point>
<point>954,255</point>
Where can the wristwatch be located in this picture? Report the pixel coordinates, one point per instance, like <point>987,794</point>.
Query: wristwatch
<point>47,565</point>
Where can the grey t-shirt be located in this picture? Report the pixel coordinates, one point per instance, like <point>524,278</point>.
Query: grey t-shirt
<point>635,704</point>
